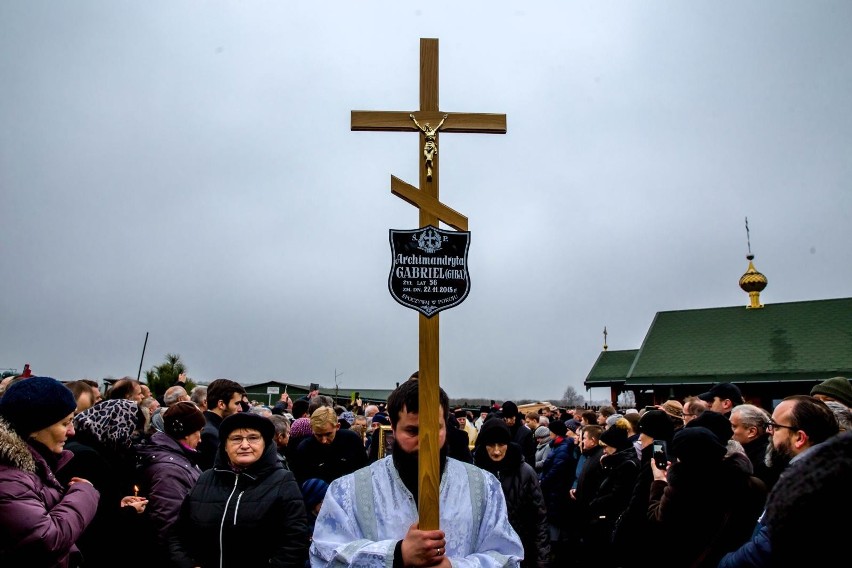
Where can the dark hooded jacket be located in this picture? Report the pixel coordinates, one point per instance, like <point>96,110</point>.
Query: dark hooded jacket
<point>620,471</point>
<point>524,502</point>
<point>167,473</point>
<point>633,529</point>
<point>40,520</point>
<point>732,501</point>
<point>242,518</point>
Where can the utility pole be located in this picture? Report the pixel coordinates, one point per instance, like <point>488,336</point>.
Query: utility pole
<point>336,387</point>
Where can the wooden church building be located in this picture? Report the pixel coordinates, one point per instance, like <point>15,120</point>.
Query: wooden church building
<point>769,351</point>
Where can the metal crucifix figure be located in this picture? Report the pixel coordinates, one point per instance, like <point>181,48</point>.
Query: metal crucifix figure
<point>430,148</point>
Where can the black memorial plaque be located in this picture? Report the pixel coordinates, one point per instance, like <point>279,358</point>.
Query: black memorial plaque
<point>429,268</point>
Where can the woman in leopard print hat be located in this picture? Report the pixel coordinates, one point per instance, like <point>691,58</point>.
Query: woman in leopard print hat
<point>103,454</point>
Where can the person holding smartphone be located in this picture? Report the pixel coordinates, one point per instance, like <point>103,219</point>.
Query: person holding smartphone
<point>696,471</point>
<point>633,530</point>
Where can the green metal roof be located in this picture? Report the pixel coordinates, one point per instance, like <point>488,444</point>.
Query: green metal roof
<point>778,341</point>
<point>799,341</point>
<point>611,366</point>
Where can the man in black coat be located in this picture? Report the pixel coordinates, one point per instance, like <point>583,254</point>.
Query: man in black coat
<point>223,400</point>
<point>458,441</point>
<point>331,452</point>
<point>521,435</point>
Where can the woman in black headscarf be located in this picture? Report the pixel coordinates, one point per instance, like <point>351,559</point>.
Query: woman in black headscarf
<point>495,452</point>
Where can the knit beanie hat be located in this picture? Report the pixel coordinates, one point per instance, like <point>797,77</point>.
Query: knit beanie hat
<point>182,419</point>
<point>715,422</point>
<point>558,427</point>
<point>381,418</point>
<point>494,432</point>
<point>349,416</point>
<point>35,403</point>
<point>837,388</point>
<point>616,437</point>
<point>301,427</point>
<point>248,421</point>
<point>542,432</point>
<point>656,424</point>
<point>313,491</point>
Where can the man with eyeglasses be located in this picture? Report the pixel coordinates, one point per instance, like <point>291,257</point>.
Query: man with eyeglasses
<point>692,408</point>
<point>330,452</point>
<point>798,424</point>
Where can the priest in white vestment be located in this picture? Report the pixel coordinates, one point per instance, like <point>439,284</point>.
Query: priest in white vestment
<point>369,518</point>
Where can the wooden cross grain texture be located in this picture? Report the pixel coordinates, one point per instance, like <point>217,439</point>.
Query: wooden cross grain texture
<point>432,211</point>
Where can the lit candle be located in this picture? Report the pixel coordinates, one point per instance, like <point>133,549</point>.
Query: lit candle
<point>136,491</point>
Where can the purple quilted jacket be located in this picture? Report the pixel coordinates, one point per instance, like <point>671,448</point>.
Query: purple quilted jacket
<point>40,520</point>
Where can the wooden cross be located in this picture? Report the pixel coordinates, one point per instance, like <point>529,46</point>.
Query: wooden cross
<point>431,212</point>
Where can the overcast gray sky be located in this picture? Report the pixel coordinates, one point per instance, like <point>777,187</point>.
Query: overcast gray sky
<point>187,169</point>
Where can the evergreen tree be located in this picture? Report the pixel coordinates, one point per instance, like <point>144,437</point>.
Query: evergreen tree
<point>161,377</point>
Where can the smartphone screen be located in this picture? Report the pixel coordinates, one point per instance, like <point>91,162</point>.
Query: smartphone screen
<point>660,454</point>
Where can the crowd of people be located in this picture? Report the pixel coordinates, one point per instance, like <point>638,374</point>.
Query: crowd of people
<point>207,478</point>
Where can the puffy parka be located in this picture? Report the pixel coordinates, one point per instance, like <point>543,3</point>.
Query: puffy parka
<point>242,518</point>
<point>39,519</point>
<point>167,473</point>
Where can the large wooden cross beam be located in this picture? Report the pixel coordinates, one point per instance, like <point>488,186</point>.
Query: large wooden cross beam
<point>429,121</point>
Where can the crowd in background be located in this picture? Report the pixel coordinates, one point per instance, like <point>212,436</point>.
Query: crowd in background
<point>209,478</point>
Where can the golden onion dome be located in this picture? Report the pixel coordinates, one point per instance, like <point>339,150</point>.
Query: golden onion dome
<point>753,282</point>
